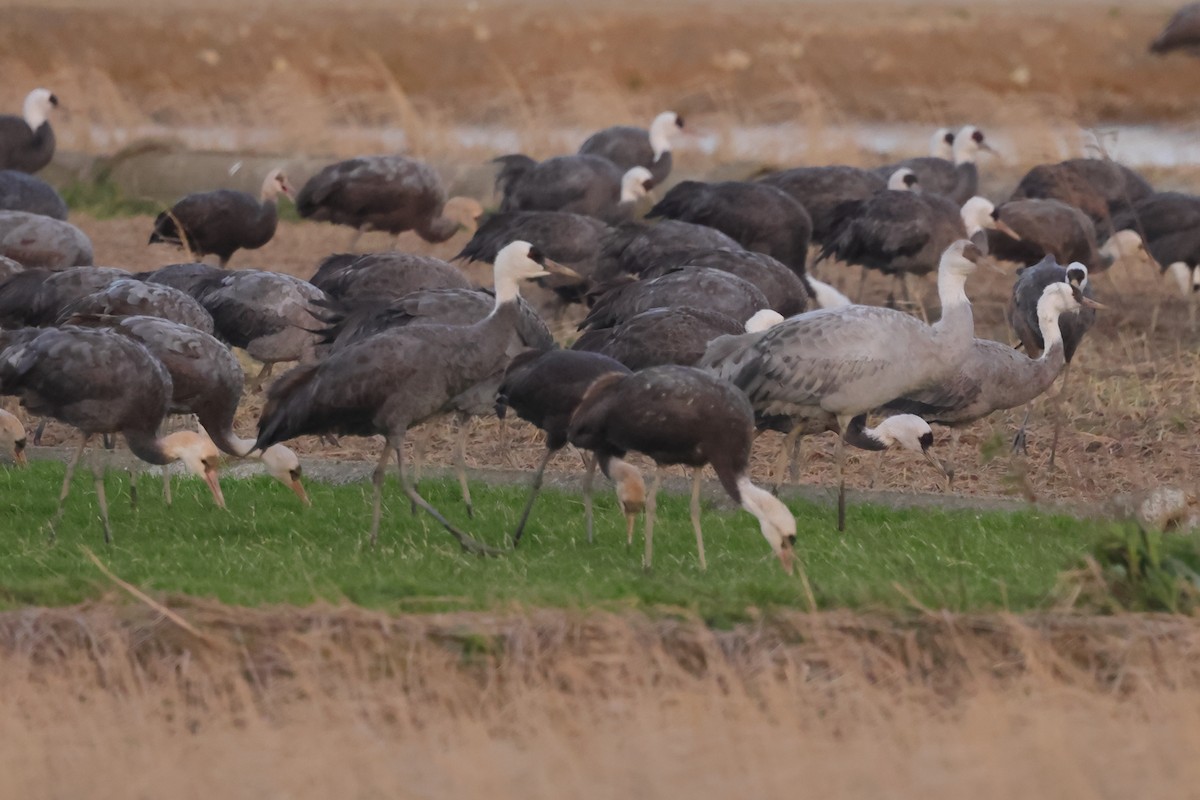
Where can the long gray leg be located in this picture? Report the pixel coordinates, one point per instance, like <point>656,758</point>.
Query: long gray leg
<point>101,500</point>
<point>460,461</point>
<point>651,508</point>
<point>66,486</point>
<point>465,540</point>
<point>588,477</point>
<point>841,474</point>
<point>167,486</point>
<point>377,482</point>
<point>696,475</point>
<point>533,493</point>
<point>1059,409</point>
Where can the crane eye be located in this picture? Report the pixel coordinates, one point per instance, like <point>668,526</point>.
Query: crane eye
<point>977,136</point>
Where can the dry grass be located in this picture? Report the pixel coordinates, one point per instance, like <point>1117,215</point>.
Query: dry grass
<point>113,701</point>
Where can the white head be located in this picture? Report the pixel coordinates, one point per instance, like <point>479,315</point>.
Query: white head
<point>941,145</point>
<point>762,320</point>
<point>518,261</point>
<point>905,432</point>
<point>275,184</point>
<point>199,455</point>
<point>284,466</point>
<point>12,437</point>
<point>978,214</point>
<point>774,519</point>
<point>960,259</point>
<point>38,104</point>
<point>827,296</point>
<point>968,142</point>
<point>1122,245</point>
<point>1057,299</point>
<point>1187,277</point>
<point>635,184</point>
<point>902,180</point>
<point>662,129</point>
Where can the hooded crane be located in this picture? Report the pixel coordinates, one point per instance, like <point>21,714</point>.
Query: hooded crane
<point>379,277</point>
<point>438,308</point>
<point>941,148</point>
<point>206,380</point>
<point>905,233</point>
<point>385,193</point>
<point>629,147</point>
<point>822,190</point>
<point>1100,188</point>
<point>22,192</point>
<point>37,297</point>
<point>905,432</point>
<point>573,240</point>
<point>588,185</point>
<point>787,292</point>
<point>848,361</point>
<point>758,216</point>
<point>99,381</point>
<point>224,221</point>
<point>1024,318</point>
<point>390,382</point>
<point>37,241</point>
<point>1046,227</point>
<point>956,179</point>
<point>682,415</point>
<point>131,297</point>
<point>544,388</point>
<point>1181,33</point>
<point>27,141</point>
<point>675,335</point>
<point>635,249</point>
<point>1167,226</point>
<point>191,278</point>
<point>996,377</point>
<point>702,287</point>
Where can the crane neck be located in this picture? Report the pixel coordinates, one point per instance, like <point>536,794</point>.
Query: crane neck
<point>660,136</point>
<point>857,434</point>
<point>34,113</point>
<point>147,446</point>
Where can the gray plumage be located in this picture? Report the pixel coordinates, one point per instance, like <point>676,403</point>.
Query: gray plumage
<point>758,216</point>
<point>25,148</point>
<point>1182,32</point>
<point>788,293</point>
<point>956,179</point>
<point>132,297</point>
<point>635,249</point>
<point>820,190</point>
<point>23,192</point>
<point>8,268</point>
<point>1046,227</point>
<point>895,232</point>
<point>1099,188</point>
<point>268,314</point>
<point>37,297</point>
<point>38,241</point>
<point>677,335</point>
<point>1022,313</point>
<point>577,184</point>
<point>1169,225</point>
<point>193,278</point>
<point>702,287</point>
<point>628,146</point>
<point>379,193</point>
<point>380,276</point>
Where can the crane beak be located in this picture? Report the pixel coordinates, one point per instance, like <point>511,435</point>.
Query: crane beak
<point>555,268</point>
<point>1088,302</point>
<point>298,488</point>
<point>944,467</point>
<point>214,486</point>
<point>19,454</point>
<point>787,557</point>
<point>987,148</point>
<point>1006,230</point>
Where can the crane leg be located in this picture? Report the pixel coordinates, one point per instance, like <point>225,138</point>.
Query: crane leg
<point>101,500</point>
<point>66,486</point>
<point>589,476</point>
<point>651,509</point>
<point>1059,412</point>
<point>533,493</point>
<point>262,375</point>
<point>167,486</point>
<point>38,431</point>
<point>468,543</point>
<point>843,426</point>
<point>377,483</point>
<point>1193,298</point>
<point>133,488</point>
<point>696,476</point>
<point>1020,445</point>
<point>783,463</point>
<point>460,461</point>
<point>420,441</point>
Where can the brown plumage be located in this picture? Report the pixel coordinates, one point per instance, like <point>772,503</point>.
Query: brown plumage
<point>1046,227</point>
<point>658,336</point>
<point>702,287</point>
<point>1098,187</point>
<point>224,221</point>
<point>682,415</point>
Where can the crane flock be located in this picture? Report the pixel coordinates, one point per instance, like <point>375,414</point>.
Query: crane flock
<point>702,326</point>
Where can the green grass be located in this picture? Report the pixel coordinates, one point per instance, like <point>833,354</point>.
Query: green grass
<point>267,549</point>
<point>103,199</point>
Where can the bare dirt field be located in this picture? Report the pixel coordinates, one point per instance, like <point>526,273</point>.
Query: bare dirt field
<point>340,702</point>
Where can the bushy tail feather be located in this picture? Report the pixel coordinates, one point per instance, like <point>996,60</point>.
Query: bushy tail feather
<point>287,410</point>
<point>512,169</point>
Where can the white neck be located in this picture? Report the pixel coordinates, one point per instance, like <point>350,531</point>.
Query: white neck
<point>965,149</point>
<point>761,504</point>
<point>1051,334</point>
<point>244,447</point>
<point>974,214</point>
<point>507,290</point>
<point>34,115</point>
<point>270,190</point>
<point>660,134</point>
<point>952,289</point>
<point>1182,274</point>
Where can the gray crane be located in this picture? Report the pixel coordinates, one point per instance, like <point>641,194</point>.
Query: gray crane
<point>1046,227</point>
<point>580,184</point>
<point>27,141</point>
<point>956,178</point>
<point>629,147</point>
<point>132,297</point>
<point>848,361</point>
<point>37,241</point>
<point>388,383</point>
<point>20,191</point>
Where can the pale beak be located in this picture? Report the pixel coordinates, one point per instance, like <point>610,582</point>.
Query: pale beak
<point>986,147</point>
<point>1088,302</point>
<point>787,556</point>
<point>210,477</point>
<point>944,467</point>
<point>1003,227</point>
<point>555,268</point>
<point>298,488</point>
